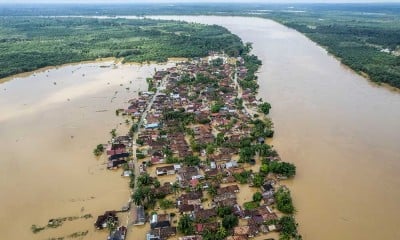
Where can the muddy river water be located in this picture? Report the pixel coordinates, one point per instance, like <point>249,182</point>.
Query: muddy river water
<point>50,123</point>
<point>341,131</point>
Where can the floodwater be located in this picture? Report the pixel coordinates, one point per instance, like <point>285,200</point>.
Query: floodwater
<point>341,131</point>
<point>50,122</point>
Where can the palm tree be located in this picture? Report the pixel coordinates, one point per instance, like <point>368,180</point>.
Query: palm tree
<point>176,187</point>
<point>221,233</point>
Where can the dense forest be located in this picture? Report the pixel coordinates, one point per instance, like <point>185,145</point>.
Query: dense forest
<point>29,43</point>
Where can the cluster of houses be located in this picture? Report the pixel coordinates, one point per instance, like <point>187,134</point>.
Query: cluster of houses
<point>118,151</point>
<point>199,109</point>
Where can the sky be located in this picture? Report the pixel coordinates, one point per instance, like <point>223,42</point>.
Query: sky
<point>195,1</point>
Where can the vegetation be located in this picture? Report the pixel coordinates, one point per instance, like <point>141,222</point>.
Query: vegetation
<point>282,168</point>
<point>223,211</point>
<point>251,205</point>
<point>284,201</point>
<point>191,160</point>
<point>257,197</point>
<point>242,177</point>
<point>230,221</point>
<point>258,180</point>
<point>185,225</point>
<point>98,150</point>
<point>220,234</point>
<point>113,132</point>
<point>252,63</point>
<point>166,204</point>
<point>264,107</point>
<point>288,228</point>
<point>29,43</point>
<point>36,229</point>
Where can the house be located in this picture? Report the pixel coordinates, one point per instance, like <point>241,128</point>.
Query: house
<point>185,174</point>
<point>231,164</point>
<point>238,211</point>
<point>166,170</point>
<point>165,189</point>
<point>152,126</point>
<point>192,237</point>
<point>228,189</point>
<point>205,214</point>
<point>241,230</point>
<point>237,238</point>
<point>138,215</point>
<point>161,233</point>
<point>102,220</point>
<point>118,234</point>
<point>116,149</point>
<point>208,226</point>
<point>248,231</point>
<point>118,156</point>
<point>113,164</point>
<point>160,221</point>
<point>186,208</point>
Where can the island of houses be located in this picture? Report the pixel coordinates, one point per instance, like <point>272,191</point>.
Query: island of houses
<point>197,158</point>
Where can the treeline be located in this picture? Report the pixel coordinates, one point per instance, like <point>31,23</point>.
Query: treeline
<point>29,43</point>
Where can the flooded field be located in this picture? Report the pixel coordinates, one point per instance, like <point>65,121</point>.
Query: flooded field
<point>341,131</point>
<point>50,123</point>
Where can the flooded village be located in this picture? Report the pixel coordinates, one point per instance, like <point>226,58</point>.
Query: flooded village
<point>198,160</point>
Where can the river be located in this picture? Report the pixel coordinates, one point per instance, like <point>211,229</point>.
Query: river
<point>341,131</point>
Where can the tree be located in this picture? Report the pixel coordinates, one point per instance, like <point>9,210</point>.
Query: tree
<point>284,201</point>
<point>258,180</point>
<point>264,107</point>
<point>257,197</point>
<point>212,191</point>
<point>165,204</point>
<point>138,196</point>
<point>230,221</point>
<point>263,149</point>
<point>246,153</point>
<point>216,107</point>
<point>156,183</point>
<point>264,168</point>
<point>210,149</point>
<point>221,233</point>
<point>223,211</point>
<point>176,187</point>
<point>288,227</point>
<point>98,150</point>
<point>144,179</point>
<point>219,139</point>
<point>139,142</point>
<point>113,132</point>
<point>191,160</point>
<point>283,168</point>
<point>185,225</point>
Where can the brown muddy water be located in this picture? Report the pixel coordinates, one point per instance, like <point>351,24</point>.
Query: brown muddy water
<point>341,131</point>
<point>50,122</point>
